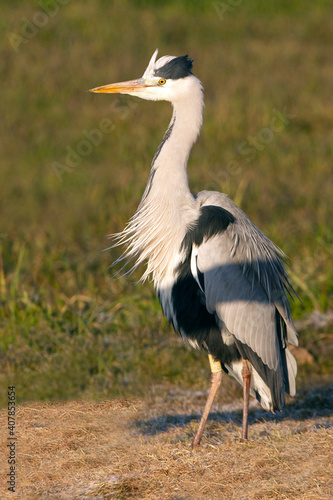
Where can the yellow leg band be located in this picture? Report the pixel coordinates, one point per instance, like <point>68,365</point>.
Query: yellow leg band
<point>215,366</point>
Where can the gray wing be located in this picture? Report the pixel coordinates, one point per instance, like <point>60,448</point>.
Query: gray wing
<point>245,283</point>
<point>242,308</point>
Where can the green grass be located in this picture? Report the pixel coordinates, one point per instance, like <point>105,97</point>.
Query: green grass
<point>66,328</point>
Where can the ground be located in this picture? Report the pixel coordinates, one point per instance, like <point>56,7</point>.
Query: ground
<point>141,449</point>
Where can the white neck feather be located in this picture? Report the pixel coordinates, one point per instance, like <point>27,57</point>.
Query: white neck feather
<point>167,208</point>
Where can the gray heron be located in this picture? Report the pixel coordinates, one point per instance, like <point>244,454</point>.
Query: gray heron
<point>220,281</point>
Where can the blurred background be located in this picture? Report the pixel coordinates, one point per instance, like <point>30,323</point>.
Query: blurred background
<point>74,166</point>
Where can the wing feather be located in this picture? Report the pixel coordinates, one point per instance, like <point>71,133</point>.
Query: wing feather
<point>245,282</point>
<point>244,309</point>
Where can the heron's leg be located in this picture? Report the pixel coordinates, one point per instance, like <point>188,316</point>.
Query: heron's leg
<point>246,374</point>
<point>216,370</point>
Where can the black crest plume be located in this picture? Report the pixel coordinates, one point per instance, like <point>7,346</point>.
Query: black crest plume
<point>179,67</point>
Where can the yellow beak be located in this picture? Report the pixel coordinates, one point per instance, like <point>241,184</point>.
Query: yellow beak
<point>122,87</point>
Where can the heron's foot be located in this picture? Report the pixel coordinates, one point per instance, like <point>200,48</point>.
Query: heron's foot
<point>215,384</point>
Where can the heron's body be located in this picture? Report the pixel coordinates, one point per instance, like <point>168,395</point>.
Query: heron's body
<point>221,282</point>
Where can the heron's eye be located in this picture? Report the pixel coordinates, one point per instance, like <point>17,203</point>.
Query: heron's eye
<point>161,81</point>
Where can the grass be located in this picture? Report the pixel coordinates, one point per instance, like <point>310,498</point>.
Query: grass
<point>67,329</point>
<point>129,449</point>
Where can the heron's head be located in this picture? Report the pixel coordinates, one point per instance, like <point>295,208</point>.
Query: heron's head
<point>166,79</point>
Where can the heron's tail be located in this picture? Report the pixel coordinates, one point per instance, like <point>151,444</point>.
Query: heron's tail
<point>270,395</point>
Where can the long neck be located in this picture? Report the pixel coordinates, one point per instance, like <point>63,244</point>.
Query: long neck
<point>172,155</point>
<point>167,207</point>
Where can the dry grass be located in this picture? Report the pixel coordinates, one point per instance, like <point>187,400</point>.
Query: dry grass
<point>141,449</point>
